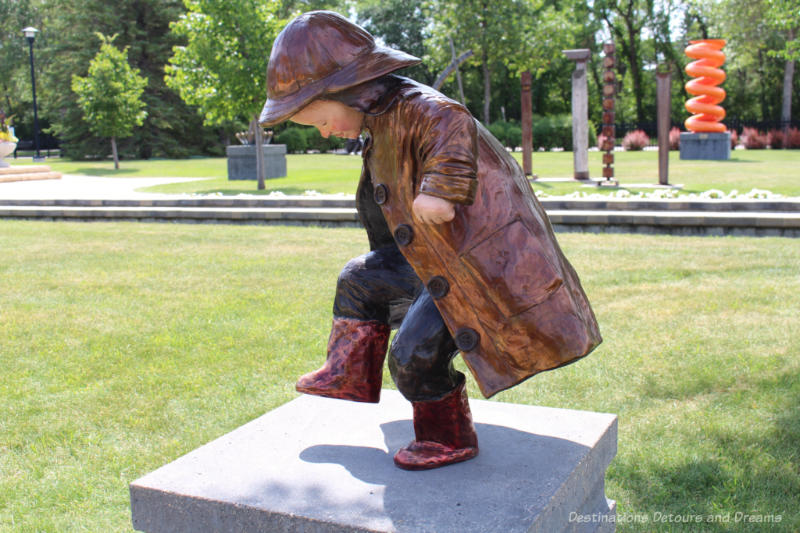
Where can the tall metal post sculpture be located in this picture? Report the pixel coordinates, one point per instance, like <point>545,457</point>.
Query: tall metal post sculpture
<point>707,138</point>
<point>580,113</point>
<point>664,101</point>
<point>527,124</point>
<point>609,100</point>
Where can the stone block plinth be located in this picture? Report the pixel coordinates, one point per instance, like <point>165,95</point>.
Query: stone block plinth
<point>323,465</point>
<point>714,146</point>
<point>242,161</point>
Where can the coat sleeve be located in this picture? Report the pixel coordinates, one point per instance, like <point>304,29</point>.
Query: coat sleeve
<point>448,152</point>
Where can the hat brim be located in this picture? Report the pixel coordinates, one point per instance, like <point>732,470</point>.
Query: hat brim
<point>376,63</point>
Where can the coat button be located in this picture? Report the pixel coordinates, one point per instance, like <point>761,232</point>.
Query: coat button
<point>466,339</point>
<point>381,194</point>
<point>404,234</point>
<point>438,287</point>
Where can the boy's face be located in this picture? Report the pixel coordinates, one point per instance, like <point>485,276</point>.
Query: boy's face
<point>331,118</point>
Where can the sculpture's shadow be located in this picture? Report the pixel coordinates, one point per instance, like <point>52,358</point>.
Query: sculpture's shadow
<point>509,461</point>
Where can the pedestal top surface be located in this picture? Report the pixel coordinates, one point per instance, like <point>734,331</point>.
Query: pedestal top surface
<point>331,460</point>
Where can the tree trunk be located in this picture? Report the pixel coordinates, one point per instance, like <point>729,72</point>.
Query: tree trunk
<point>636,73</point>
<point>458,72</point>
<point>487,88</point>
<point>765,115</point>
<point>258,139</point>
<point>453,66</point>
<point>786,106</point>
<point>487,80</point>
<point>114,152</point>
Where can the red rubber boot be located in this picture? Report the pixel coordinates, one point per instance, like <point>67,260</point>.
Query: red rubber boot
<point>354,368</point>
<point>444,433</point>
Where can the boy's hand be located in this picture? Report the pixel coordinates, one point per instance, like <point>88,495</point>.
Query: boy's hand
<point>432,209</point>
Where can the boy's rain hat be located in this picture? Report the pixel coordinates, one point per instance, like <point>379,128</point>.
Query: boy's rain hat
<point>322,52</point>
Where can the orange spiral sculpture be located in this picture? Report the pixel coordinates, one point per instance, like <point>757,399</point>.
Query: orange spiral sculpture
<point>707,74</point>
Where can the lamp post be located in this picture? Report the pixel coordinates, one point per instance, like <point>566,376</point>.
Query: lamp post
<point>30,34</point>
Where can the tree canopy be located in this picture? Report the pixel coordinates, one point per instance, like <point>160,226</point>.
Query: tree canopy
<point>110,95</point>
<point>205,60</point>
<point>222,67</point>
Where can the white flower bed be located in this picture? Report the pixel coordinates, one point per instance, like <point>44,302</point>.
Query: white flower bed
<point>666,194</point>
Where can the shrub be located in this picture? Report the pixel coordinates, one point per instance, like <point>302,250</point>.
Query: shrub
<point>775,139</point>
<point>555,131</point>
<point>294,138</point>
<point>508,133</point>
<point>734,139</point>
<point>753,139</point>
<point>497,129</point>
<point>592,133</point>
<point>299,139</point>
<point>552,132</point>
<point>675,139</point>
<point>601,141</point>
<point>635,140</point>
<point>315,141</point>
<point>514,136</point>
<point>792,140</point>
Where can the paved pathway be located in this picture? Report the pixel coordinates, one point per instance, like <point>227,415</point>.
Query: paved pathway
<point>71,187</point>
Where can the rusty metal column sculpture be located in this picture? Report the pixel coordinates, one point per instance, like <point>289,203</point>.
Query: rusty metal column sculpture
<point>527,124</point>
<point>663,97</point>
<point>609,94</point>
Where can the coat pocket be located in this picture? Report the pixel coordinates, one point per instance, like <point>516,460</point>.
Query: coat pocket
<point>512,267</point>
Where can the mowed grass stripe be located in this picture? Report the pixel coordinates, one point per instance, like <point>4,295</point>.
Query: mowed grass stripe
<point>124,346</point>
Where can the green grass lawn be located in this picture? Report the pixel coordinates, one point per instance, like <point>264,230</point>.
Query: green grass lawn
<point>773,170</point>
<point>123,346</point>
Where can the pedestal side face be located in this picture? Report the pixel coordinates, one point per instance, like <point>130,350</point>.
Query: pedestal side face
<point>242,161</point>
<point>710,146</point>
<point>318,464</point>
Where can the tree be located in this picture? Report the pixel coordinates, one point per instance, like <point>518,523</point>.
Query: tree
<point>489,28</point>
<point>67,44</point>
<point>507,38</point>
<point>16,97</point>
<point>110,96</point>
<point>546,29</point>
<point>222,68</point>
<point>626,19</point>
<point>400,24</point>
<point>785,16</point>
<point>755,72</point>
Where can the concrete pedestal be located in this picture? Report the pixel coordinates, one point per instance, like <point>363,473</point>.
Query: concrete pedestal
<point>714,146</point>
<point>322,465</point>
<point>242,161</point>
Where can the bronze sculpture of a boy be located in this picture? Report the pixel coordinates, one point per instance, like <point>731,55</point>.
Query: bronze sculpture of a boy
<point>462,256</point>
